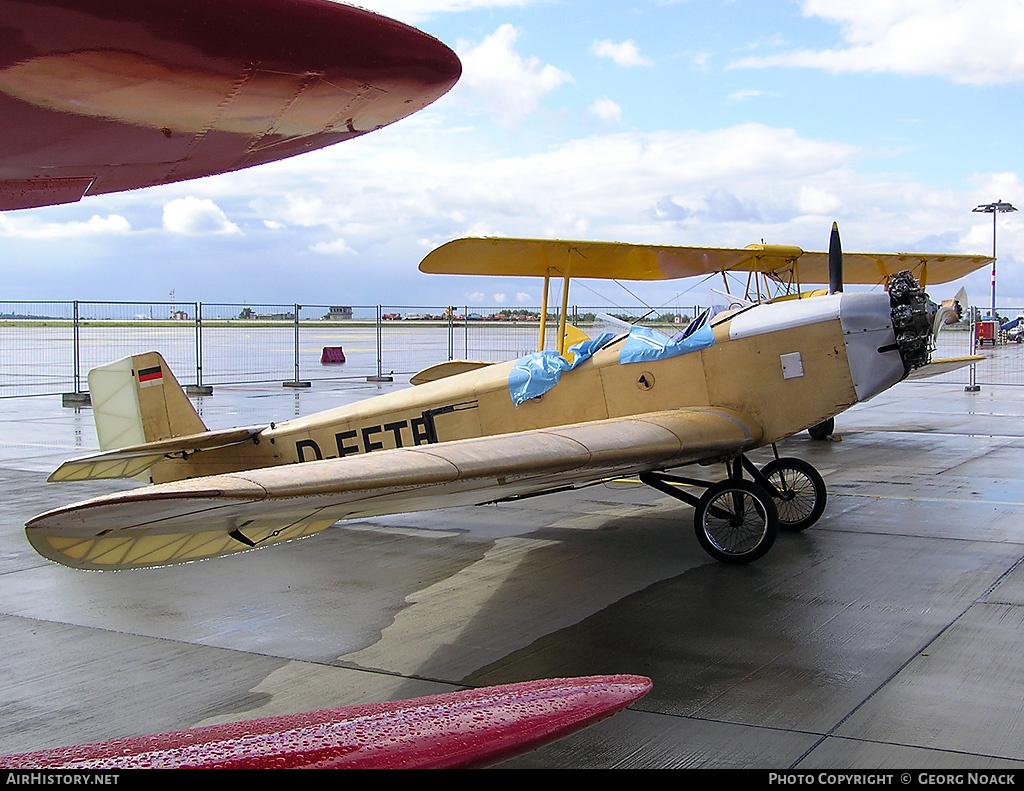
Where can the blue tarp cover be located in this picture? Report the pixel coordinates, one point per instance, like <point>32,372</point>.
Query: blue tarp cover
<point>644,344</point>
<point>535,374</point>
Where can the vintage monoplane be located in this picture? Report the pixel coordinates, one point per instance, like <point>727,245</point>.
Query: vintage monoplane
<point>635,403</point>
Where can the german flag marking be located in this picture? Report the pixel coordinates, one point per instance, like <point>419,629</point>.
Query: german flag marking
<point>151,376</point>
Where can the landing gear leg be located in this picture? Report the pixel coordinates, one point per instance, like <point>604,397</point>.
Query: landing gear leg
<point>736,520</point>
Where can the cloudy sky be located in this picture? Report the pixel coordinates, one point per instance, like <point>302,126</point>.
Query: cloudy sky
<point>694,122</point>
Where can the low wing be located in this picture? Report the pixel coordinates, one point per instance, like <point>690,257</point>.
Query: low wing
<point>136,459</point>
<point>104,97</point>
<point>944,366</point>
<point>621,261</point>
<point>218,515</point>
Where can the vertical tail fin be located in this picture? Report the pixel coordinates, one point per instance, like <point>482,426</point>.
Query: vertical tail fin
<point>137,399</point>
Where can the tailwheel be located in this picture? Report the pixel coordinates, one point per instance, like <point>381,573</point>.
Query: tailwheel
<point>799,492</point>
<point>736,521</point>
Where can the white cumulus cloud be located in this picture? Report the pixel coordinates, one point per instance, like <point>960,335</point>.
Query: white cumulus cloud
<point>196,216</point>
<point>740,96</point>
<point>964,41</point>
<point>816,201</point>
<point>413,11</point>
<point>624,54</point>
<point>607,110</point>
<point>333,247</point>
<point>26,227</point>
<point>507,84</point>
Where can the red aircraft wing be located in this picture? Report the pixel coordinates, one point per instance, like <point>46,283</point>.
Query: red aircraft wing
<point>101,96</point>
<point>474,727</point>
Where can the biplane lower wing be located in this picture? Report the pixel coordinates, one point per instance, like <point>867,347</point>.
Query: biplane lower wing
<point>218,515</point>
<point>944,366</point>
<point>446,369</point>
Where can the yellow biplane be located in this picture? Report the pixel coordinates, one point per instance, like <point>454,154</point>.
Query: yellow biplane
<point>771,273</point>
<point>636,403</point>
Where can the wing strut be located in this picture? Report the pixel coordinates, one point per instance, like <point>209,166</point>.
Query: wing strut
<point>565,308</point>
<point>544,310</point>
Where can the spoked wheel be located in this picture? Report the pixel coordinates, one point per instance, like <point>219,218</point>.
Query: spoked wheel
<point>800,492</point>
<point>736,521</point>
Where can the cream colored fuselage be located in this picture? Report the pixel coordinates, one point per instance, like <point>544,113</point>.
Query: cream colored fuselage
<point>782,379</point>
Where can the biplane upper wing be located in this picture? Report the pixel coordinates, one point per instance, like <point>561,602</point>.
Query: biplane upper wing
<point>621,261</point>
<point>99,96</point>
<point>218,515</point>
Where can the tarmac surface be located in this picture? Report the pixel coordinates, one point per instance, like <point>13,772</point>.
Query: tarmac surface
<point>889,635</point>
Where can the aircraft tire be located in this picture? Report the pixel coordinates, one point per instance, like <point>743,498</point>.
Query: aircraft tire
<point>802,494</point>
<point>736,521</point>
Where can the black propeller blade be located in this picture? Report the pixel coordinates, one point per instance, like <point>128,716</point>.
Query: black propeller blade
<point>835,261</point>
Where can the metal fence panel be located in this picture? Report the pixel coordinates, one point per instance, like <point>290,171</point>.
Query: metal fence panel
<point>112,330</point>
<point>37,350</point>
<point>356,335</point>
<point>247,342</point>
<point>48,347</point>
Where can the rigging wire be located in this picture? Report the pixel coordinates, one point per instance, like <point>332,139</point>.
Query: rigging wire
<point>650,309</point>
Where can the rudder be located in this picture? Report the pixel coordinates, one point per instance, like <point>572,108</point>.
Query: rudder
<point>137,399</point>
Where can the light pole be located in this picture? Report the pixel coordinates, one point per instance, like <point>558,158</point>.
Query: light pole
<point>994,209</point>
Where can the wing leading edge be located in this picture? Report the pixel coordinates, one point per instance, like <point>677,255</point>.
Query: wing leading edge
<point>219,515</point>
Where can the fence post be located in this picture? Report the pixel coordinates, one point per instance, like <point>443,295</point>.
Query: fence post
<point>296,382</point>
<point>198,389</point>
<point>973,386</point>
<point>77,398</point>
<point>380,377</point>
<point>451,332</point>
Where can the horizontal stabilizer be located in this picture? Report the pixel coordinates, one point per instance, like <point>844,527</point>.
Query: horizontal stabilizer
<point>944,366</point>
<point>136,459</point>
<point>220,514</point>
